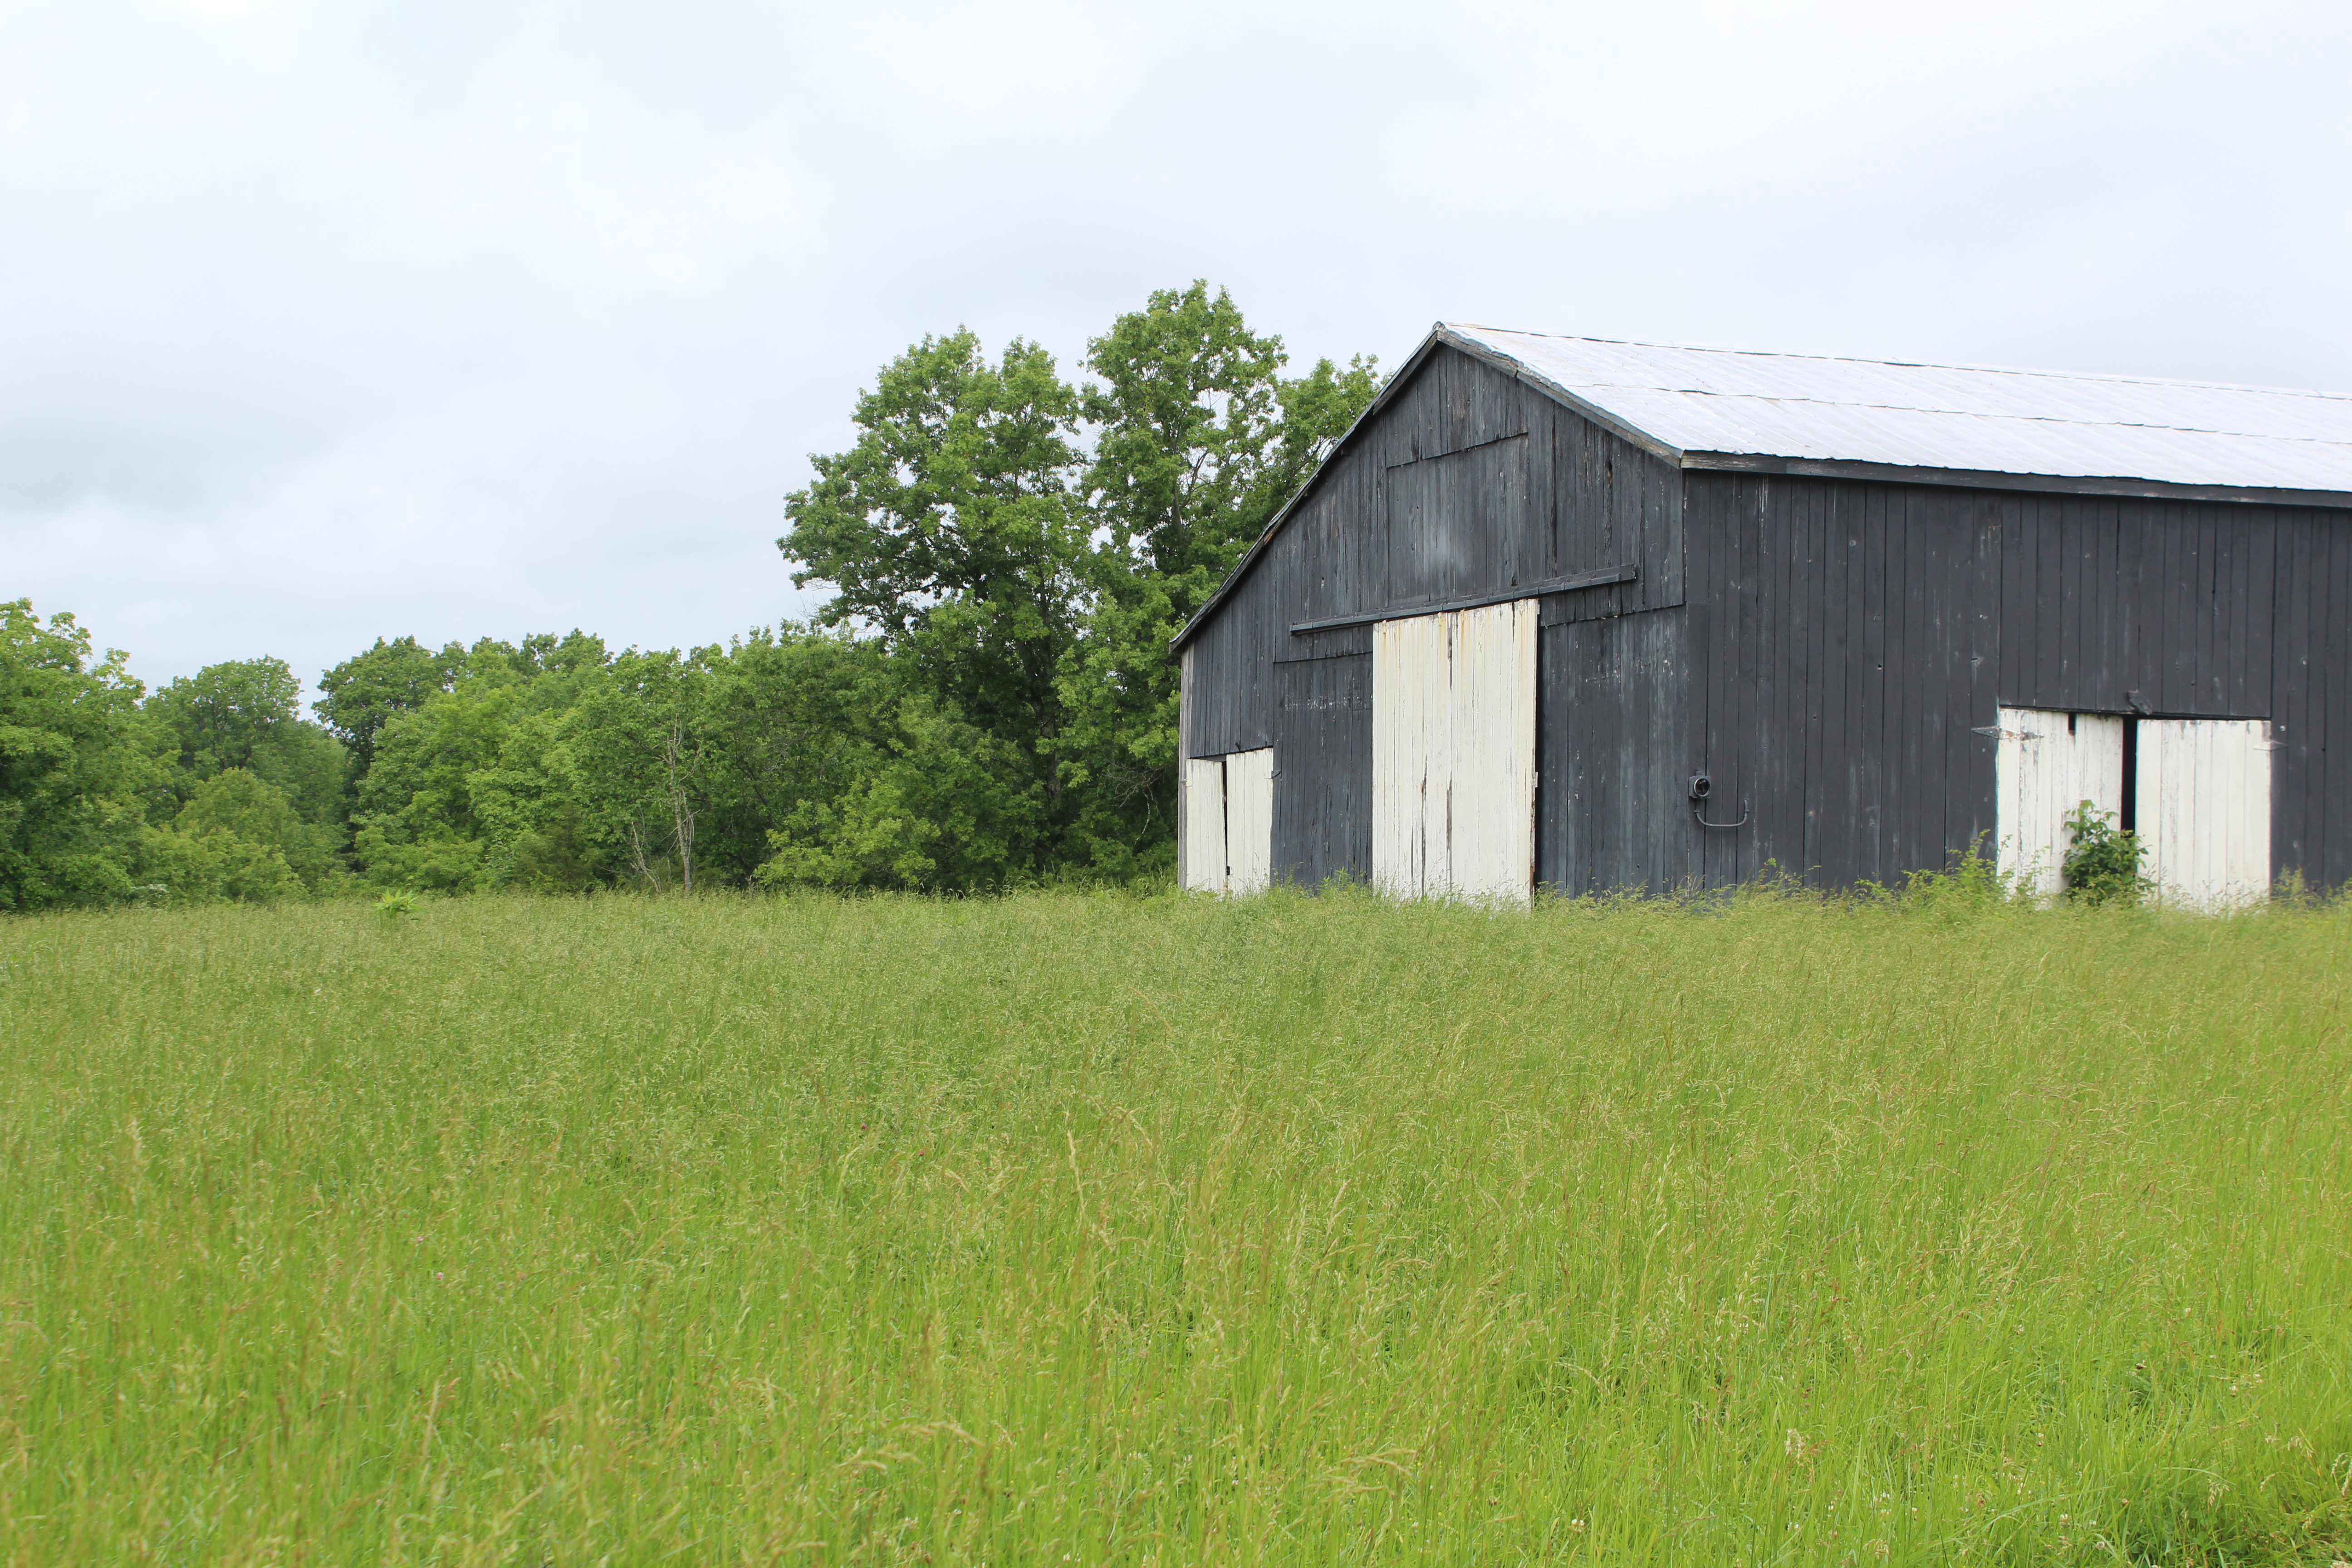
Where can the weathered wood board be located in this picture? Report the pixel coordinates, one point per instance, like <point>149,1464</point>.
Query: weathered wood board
<point>2204,809</point>
<point>1249,820</point>
<point>2046,765</point>
<point>1453,769</point>
<point>1202,822</point>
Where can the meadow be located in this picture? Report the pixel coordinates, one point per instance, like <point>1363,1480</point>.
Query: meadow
<point>1105,1228</point>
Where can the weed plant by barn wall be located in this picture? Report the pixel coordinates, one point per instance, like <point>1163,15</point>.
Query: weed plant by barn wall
<point>1098,1228</point>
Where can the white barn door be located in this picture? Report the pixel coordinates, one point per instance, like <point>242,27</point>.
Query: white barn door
<point>2047,765</point>
<point>2204,809</point>
<point>1229,821</point>
<point>1249,820</point>
<point>2201,800</point>
<point>1453,754</point>
<point>1203,816</point>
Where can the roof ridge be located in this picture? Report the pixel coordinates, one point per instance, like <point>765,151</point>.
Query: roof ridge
<point>2107,377</point>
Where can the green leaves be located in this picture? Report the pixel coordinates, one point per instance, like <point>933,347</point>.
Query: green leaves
<point>1025,550</point>
<point>987,700</point>
<point>359,696</point>
<point>2103,863</point>
<point>77,765</point>
<point>245,714</point>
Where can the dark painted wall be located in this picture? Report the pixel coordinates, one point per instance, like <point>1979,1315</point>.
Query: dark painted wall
<point>1827,649</point>
<point>1853,640</point>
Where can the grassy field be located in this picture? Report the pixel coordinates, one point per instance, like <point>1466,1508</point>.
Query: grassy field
<point>1085,1230</point>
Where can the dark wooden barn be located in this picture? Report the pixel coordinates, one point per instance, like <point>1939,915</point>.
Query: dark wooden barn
<point>1596,616</point>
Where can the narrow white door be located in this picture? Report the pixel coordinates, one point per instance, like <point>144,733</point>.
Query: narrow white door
<point>1203,783</point>
<point>1453,754</point>
<point>1229,821</point>
<point>2045,765</point>
<point>2204,809</point>
<point>1249,820</point>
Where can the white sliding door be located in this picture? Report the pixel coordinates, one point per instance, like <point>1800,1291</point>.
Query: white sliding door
<point>2047,765</point>
<point>1229,821</point>
<point>1453,754</point>
<point>1203,783</point>
<point>1249,820</point>
<point>2204,809</point>
<point>2201,798</point>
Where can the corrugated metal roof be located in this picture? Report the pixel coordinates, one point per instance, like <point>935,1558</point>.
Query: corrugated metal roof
<point>1960,417</point>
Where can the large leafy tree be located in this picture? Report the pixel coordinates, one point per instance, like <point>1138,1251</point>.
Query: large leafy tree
<point>247,714</point>
<point>952,531</point>
<point>359,696</point>
<point>1202,441</point>
<point>1030,582</point>
<point>77,765</point>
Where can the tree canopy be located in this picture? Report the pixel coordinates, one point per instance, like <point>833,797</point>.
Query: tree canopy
<point>987,699</point>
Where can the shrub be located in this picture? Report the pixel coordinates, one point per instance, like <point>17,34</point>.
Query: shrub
<point>2103,864</point>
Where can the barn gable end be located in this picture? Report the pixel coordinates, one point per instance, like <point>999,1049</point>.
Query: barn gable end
<point>1463,484</point>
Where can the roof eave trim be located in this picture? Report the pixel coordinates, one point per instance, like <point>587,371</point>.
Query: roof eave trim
<point>1992,480</point>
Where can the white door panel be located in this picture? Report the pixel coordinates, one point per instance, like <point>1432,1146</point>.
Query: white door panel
<point>1203,783</point>
<point>1249,820</point>
<point>2046,765</point>
<point>1453,733</point>
<point>2204,809</point>
<point>1229,821</point>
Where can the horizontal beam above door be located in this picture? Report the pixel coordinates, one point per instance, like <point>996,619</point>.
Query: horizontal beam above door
<point>1600,578</point>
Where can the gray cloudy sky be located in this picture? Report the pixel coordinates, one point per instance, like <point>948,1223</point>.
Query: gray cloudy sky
<point>322,320</point>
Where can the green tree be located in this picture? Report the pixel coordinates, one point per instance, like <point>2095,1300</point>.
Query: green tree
<point>237,838</point>
<point>242,803</point>
<point>786,718</point>
<point>952,529</point>
<point>415,818</point>
<point>1202,442</point>
<point>360,695</point>
<point>76,768</point>
<point>1029,588</point>
<point>940,804</point>
<point>245,713</point>
<point>645,760</point>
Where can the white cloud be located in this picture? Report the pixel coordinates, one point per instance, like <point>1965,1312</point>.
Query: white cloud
<point>321,321</point>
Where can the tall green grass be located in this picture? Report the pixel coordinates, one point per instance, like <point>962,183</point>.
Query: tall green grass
<point>1091,1228</point>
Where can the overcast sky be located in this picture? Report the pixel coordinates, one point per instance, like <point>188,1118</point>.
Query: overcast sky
<point>328,320</point>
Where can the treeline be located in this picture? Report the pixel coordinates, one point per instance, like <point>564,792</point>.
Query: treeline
<point>987,700</point>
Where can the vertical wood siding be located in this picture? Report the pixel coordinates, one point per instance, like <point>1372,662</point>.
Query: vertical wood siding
<point>1227,817</point>
<point>1323,774</point>
<point>1493,485</point>
<point>1615,743</point>
<point>1454,730</point>
<point>2204,809</point>
<point>2042,772</point>
<point>1853,645</point>
<point>2310,669</point>
<point>1184,771</point>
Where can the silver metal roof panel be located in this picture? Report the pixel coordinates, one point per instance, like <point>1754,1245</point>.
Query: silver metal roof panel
<point>1960,418</point>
